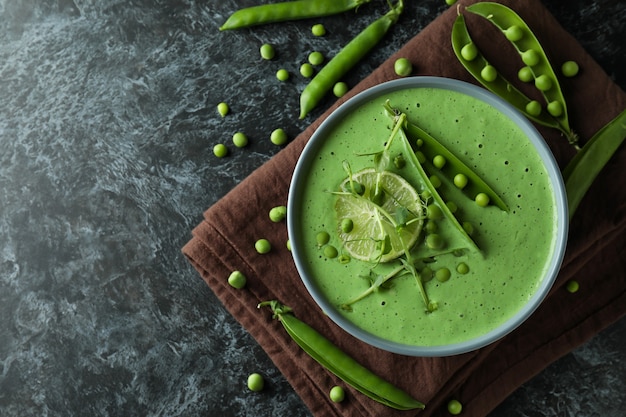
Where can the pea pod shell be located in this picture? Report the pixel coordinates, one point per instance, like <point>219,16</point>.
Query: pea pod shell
<point>582,170</point>
<point>287,11</point>
<point>345,367</point>
<point>503,18</point>
<point>345,59</point>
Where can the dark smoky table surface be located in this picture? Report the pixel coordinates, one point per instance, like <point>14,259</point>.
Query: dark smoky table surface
<point>107,125</point>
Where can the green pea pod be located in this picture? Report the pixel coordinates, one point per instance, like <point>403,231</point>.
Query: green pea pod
<point>524,40</point>
<point>288,10</point>
<point>582,170</point>
<point>500,85</point>
<point>346,58</point>
<point>341,364</point>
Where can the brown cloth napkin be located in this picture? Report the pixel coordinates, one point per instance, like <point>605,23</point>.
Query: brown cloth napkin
<point>224,242</point>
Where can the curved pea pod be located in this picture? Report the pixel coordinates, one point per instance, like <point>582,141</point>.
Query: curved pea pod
<point>524,40</point>
<point>287,11</point>
<point>346,58</point>
<point>582,170</point>
<point>341,364</point>
<point>500,85</point>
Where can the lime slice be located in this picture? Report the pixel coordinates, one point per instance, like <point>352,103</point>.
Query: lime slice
<point>375,235</point>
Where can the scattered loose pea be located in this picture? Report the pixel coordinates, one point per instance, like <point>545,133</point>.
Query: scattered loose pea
<point>462,268</point>
<point>450,2</point>
<point>223,109</point>
<point>340,89</point>
<point>316,58</point>
<point>439,161</point>
<point>569,69</point>
<point>482,199</point>
<point>322,238</point>
<point>237,279</point>
<point>469,52</point>
<point>555,108</point>
<point>530,57</point>
<point>533,108</point>
<point>282,74</point>
<point>525,74</point>
<point>306,70</point>
<point>318,30</point>
<point>263,246</point>
<point>426,274</point>
<point>220,150</point>
<point>255,382</point>
<point>403,67</point>
<point>442,274</point>
<point>288,244</point>
<point>454,407</point>
<point>278,137</point>
<point>347,225</point>
<point>514,33</point>
<point>572,286</point>
<point>434,241</point>
<point>330,251</point>
<point>433,212</point>
<point>240,139</point>
<point>460,180</point>
<point>267,51</point>
<point>337,394</point>
<point>489,73</point>
<point>543,82</point>
<point>278,213</point>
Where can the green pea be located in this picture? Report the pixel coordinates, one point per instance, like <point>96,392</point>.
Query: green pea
<point>322,238</point>
<point>572,286</point>
<point>450,2</point>
<point>530,57</point>
<point>220,150</point>
<point>240,139</point>
<point>555,108</point>
<point>514,33</point>
<point>533,108</point>
<point>316,58</point>
<point>468,227</point>
<point>223,109</point>
<point>421,158</point>
<point>462,268</point>
<point>306,70</point>
<point>282,74</point>
<point>543,82</point>
<point>318,30</point>
<point>452,206</point>
<point>278,137</point>
<point>482,199</point>
<point>469,52</point>
<point>267,51</point>
<point>237,279</point>
<point>262,246</point>
<point>435,181</point>
<point>330,251</point>
<point>431,226</point>
<point>278,213</point>
<point>455,407</point>
<point>347,225</point>
<point>435,241</point>
<point>288,244</point>
<point>525,74</point>
<point>403,67</point>
<point>569,69</point>
<point>340,89</point>
<point>426,274</point>
<point>337,394</point>
<point>256,382</point>
<point>442,274</point>
<point>439,161</point>
<point>433,212</point>
<point>460,181</point>
<point>489,73</point>
<point>399,161</point>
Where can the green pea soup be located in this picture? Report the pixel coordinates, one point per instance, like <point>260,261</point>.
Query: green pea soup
<point>488,292</point>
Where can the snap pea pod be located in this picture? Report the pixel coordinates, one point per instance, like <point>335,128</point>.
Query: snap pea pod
<point>288,10</point>
<point>582,170</point>
<point>500,85</point>
<point>339,363</point>
<point>432,147</point>
<point>524,40</point>
<point>346,58</point>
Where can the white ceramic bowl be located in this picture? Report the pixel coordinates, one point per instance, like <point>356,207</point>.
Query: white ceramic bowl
<point>295,213</point>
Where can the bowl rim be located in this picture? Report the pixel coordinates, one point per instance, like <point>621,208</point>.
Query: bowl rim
<point>554,173</point>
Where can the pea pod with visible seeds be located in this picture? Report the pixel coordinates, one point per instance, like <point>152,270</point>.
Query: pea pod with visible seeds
<point>582,170</point>
<point>346,58</point>
<point>339,363</point>
<point>524,40</point>
<point>288,10</point>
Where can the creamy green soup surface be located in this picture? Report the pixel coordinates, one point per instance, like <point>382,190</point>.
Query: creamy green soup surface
<point>515,245</point>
